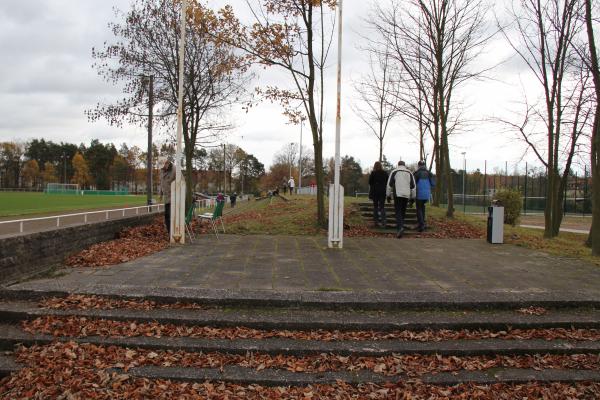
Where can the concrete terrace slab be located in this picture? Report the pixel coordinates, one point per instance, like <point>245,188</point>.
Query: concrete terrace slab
<point>290,265</point>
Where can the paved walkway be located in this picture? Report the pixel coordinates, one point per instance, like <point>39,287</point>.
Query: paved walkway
<point>561,229</point>
<point>293,264</point>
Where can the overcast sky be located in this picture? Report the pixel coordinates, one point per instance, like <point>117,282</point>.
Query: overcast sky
<point>48,83</point>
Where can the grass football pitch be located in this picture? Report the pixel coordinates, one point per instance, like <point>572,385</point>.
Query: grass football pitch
<point>24,203</point>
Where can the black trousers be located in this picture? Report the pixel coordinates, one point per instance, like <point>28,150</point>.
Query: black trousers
<point>168,217</point>
<point>421,213</point>
<point>400,204</point>
<point>379,209</point>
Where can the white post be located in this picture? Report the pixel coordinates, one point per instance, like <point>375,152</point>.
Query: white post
<point>336,192</point>
<point>177,218</point>
<point>464,154</point>
<point>300,160</point>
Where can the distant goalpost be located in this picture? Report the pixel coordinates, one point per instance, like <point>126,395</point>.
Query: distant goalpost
<point>62,188</point>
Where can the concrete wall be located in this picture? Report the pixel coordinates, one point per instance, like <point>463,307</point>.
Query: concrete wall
<point>29,254</point>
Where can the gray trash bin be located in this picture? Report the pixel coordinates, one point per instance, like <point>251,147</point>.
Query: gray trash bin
<point>495,224</point>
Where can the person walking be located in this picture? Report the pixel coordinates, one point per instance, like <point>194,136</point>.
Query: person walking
<point>291,185</point>
<point>167,175</point>
<point>401,186</point>
<point>424,181</point>
<point>377,190</point>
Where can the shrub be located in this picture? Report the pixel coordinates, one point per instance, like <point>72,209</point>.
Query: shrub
<point>512,202</point>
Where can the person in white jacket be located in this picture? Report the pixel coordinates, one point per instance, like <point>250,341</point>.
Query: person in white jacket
<point>401,186</point>
<point>291,185</point>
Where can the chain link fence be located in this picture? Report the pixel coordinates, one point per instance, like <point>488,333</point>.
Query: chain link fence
<point>474,189</point>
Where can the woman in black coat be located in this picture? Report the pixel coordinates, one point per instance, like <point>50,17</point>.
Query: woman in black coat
<point>377,189</point>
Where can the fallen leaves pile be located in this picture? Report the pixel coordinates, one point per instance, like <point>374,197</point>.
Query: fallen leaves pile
<point>452,229</point>
<point>86,302</point>
<point>81,327</point>
<point>50,383</point>
<point>69,370</point>
<point>132,243</point>
<point>93,356</point>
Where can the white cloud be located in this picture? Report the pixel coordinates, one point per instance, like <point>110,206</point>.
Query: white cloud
<point>48,84</point>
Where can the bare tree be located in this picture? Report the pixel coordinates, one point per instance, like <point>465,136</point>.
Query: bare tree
<point>435,43</point>
<point>146,43</point>
<point>591,60</point>
<point>545,33</point>
<point>294,36</point>
<point>288,155</point>
<point>378,95</point>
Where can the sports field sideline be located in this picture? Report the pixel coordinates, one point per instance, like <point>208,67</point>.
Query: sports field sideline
<point>24,203</point>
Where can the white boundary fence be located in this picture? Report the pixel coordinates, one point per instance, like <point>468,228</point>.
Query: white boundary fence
<point>311,190</point>
<point>154,208</point>
<point>210,203</point>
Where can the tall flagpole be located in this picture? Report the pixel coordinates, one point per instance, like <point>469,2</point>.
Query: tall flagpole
<point>336,199</point>
<point>178,228</point>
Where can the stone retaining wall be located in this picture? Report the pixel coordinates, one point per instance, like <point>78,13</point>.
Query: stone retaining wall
<point>29,254</point>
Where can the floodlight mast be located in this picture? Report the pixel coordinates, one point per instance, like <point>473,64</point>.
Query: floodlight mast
<point>178,232</point>
<point>336,225</point>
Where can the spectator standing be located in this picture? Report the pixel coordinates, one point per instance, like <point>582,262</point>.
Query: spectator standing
<point>401,186</point>
<point>284,185</point>
<point>424,181</point>
<point>167,175</point>
<point>291,185</point>
<point>377,191</point>
<point>233,199</point>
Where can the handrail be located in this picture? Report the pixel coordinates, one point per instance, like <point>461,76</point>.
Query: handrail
<point>21,222</point>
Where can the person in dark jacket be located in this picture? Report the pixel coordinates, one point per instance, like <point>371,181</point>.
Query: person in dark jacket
<point>377,188</point>
<point>425,181</point>
<point>233,199</point>
<point>167,175</point>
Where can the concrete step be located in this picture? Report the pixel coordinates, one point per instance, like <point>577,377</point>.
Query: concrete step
<point>279,377</point>
<point>388,210</point>
<point>304,320</point>
<point>311,300</point>
<point>275,377</point>
<point>409,218</point>
<point>11,335</point>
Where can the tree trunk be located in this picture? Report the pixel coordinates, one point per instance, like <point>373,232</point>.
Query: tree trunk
<point>437,195</point>
<point>448,175</point>
<point>318,148</point>
<point>189,169</point>
<point>558,213</point>
<point>550,201</point>
<point>595,156</point>
<point>594,237</point>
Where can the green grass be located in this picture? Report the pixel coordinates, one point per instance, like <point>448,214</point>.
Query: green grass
<point>24,203</point>
<point>566,244</point>
<point>298,216</point>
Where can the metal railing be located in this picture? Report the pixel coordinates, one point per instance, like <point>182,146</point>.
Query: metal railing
<point>154,208</point>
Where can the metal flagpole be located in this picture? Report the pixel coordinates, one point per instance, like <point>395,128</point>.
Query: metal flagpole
<point>336,191</point>
<point>149,157</point>
<point>177,216</point>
